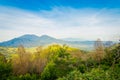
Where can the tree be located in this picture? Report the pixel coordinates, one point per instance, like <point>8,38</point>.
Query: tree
<point>99,50</point>
<point>5,68</point>
<point>39,61</point>
<point>21,62</point>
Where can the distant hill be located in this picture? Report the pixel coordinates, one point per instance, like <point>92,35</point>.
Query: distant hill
<point>30,41</point>
<point>33,41</point>
<point>72,39</point>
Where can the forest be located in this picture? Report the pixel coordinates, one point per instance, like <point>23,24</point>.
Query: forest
<point>60,62</point>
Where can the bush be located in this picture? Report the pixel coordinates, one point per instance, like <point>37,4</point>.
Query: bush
<point>24,77</point>
<point>112,56</point>
<point>94,74</point>
<point>74,75</point>
<point>5,68</point>
<point>60,63</point>
<point>49,72</point>
<point>114,72</point>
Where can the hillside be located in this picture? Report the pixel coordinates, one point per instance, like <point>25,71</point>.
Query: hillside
<point>33,41</point>
<point>29,40</point>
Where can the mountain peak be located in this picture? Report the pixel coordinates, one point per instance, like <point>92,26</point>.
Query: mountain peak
<point>46,37</point>
<point>29,40</point>
<point>28,35</point>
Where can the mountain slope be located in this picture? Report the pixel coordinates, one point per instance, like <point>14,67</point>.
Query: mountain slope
<point>34,41</point>
<point>30,41</point>
<point>72,39</point>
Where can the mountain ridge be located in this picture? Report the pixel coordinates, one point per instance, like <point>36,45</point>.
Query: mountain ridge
<point>31,40</point>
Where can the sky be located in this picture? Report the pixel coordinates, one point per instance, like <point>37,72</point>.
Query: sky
<point>84,19</point>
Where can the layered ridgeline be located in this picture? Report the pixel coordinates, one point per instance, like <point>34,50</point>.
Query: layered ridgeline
<point>30,41</point>
<point>33,41</point>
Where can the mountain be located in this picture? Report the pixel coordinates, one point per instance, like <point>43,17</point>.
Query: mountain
<point>33,41</point>
<point>72,39</point>
<point>30,41</point>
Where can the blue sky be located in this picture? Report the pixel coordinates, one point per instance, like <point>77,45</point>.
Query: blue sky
<point>36,5</point>
<point>85,19</point>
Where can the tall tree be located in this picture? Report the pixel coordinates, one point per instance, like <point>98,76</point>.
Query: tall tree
<point>99,49</point>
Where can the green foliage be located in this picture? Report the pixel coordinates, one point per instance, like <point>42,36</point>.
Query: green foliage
<point>74,75</point>
<point>61,63</point>
<point>94,74</point>
<point>5,68</point>
<point>112,55</point>
<point>114,72</point>
<point>97,74</point>
<point>6,51</point>
<point>24,77</point>
<point>49,72</point>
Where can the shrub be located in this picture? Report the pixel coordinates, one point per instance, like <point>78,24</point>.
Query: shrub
<point>94,74</point>
<point>5,68</point>
<point>60,63</point>
<point>49,72</point>
<point>26,76</point>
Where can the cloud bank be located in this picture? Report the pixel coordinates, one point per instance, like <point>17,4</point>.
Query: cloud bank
<point>61,22</point>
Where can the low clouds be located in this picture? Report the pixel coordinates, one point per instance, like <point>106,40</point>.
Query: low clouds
<point>60,22</point>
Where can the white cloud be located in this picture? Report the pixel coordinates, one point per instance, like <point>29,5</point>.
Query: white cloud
<point>60,22</point>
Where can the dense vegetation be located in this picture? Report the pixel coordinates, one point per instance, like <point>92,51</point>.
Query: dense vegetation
<point>60,62</point>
